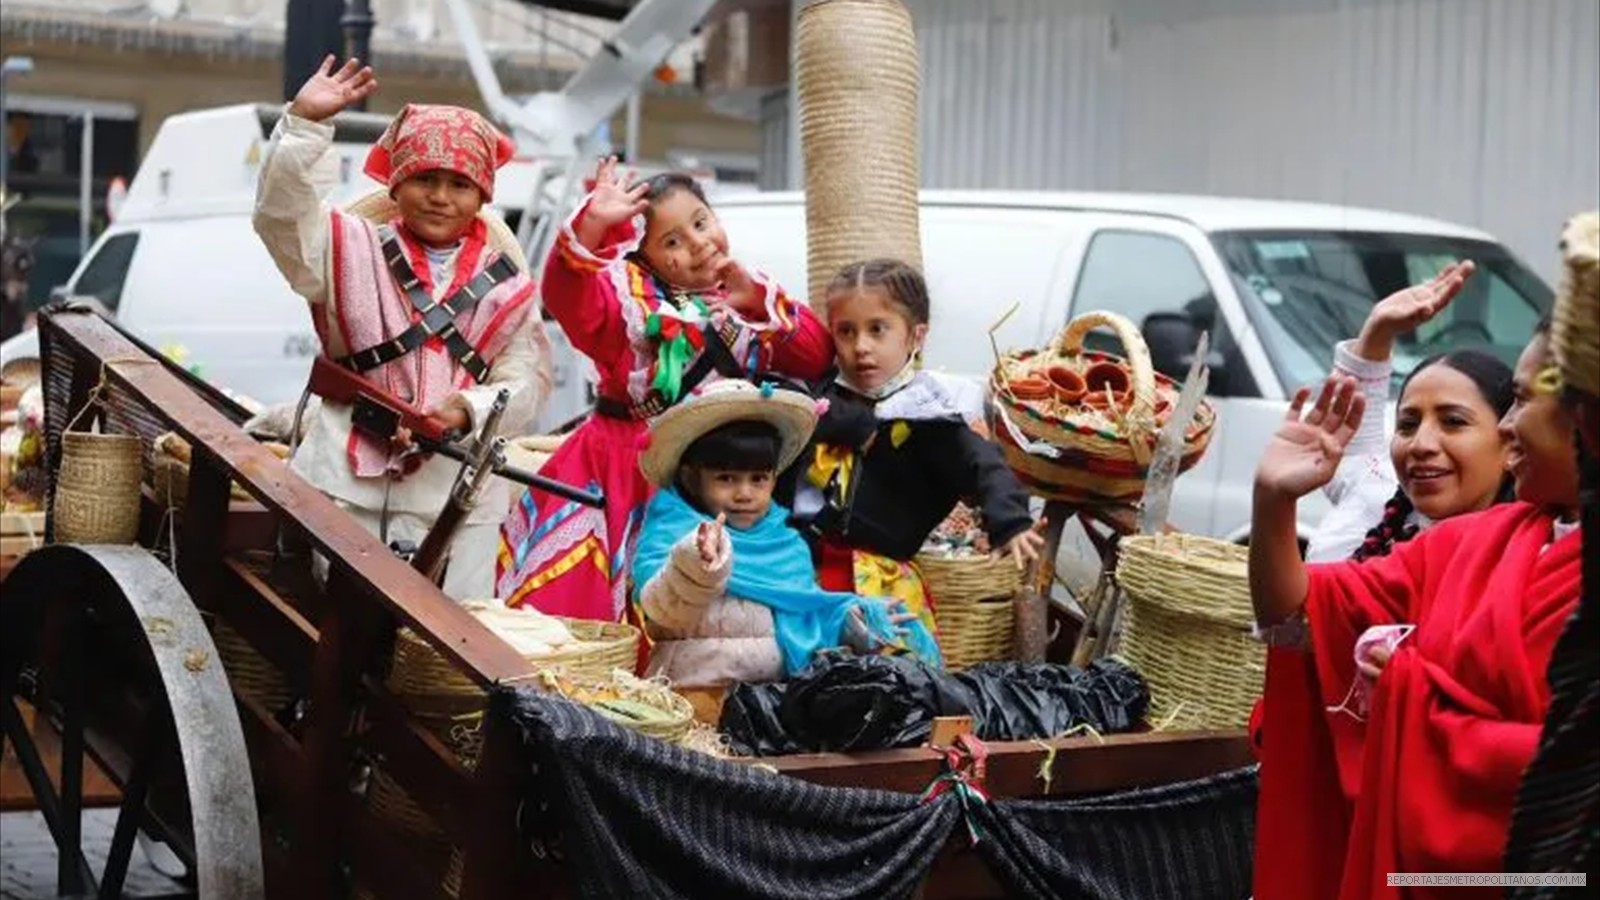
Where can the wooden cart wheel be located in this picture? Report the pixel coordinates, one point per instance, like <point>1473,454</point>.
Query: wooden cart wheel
<point>106,644</point>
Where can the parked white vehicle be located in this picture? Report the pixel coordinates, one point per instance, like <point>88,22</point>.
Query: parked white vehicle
<point>1277,284</point>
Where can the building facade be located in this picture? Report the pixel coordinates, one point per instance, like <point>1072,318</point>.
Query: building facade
<point>1481,112</point>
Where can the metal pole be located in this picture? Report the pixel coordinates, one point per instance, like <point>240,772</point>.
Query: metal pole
<point>631,147</point>
<point>85,184</point>
<point>357,23</point>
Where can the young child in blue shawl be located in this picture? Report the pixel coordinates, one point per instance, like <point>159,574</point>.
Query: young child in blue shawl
<point>726,586</point>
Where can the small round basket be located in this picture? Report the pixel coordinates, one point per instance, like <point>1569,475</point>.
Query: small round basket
<point>1091,447</point>
<point>97,488</point>
<point>972,599</point>
<point>1188,629</point>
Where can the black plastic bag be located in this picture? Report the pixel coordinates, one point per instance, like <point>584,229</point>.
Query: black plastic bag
<point>844,703</point>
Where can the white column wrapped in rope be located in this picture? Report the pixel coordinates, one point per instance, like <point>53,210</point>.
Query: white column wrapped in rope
<point>856,71</point>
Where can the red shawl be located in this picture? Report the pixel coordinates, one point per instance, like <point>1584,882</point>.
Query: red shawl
<point>1426,784</point>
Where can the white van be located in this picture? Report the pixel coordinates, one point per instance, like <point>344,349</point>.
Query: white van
<point>182,267</point>
<point>1277,284</point>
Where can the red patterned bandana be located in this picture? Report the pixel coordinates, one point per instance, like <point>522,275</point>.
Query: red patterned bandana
<point>425,137</point>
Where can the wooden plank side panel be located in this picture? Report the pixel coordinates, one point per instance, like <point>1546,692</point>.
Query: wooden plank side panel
<point>376,574</point>
<point>1082,765</point>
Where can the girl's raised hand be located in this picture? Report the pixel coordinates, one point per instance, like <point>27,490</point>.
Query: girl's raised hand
<point>1304,453</point>
<point>708,540</point>
<point>613,201</point>
<point>1404,310</point>
<point>327,92</point>
<point>741,293</point>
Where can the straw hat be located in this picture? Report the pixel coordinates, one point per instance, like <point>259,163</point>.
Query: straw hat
<point>379,207</point>
<point>1576,326</point>
<point>791,412</point>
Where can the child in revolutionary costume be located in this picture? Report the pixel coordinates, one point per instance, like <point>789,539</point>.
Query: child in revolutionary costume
<point>419,290</point>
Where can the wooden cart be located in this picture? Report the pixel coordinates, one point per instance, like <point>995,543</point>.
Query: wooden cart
<point>114,647</point>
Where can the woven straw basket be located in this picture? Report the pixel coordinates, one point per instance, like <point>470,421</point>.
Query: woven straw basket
<point>972,597</point>
<point>169,477</point>
<point>1102,454</point>
<point>451,706</point>
<point>248,671</point>
<point>1188,629</point>
<point>1575,330</point>
<point>856,77</point>
<point>97,488</point>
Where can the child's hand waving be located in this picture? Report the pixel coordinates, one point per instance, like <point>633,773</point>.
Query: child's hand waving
<point>327,92</point>
<point>613,202</point>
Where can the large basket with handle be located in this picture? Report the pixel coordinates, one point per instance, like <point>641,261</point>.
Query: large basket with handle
<point>1080,425</point>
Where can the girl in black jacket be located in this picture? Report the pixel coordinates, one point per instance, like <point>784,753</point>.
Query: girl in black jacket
<point>893,453</point>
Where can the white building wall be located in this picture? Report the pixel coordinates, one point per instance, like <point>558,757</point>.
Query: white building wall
<point>1483,112</point>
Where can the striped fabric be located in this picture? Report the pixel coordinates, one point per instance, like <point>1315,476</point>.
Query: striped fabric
<point>635,817</point>
<point>1556,824</point>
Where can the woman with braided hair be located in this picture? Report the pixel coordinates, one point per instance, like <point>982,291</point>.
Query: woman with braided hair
<point>1446,457</point>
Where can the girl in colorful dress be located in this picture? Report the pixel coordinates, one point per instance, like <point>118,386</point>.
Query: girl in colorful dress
<point>1446,457</point>
<point>1407,760</point>
<point>659,310</point>
<point>894,453</point>
<point>725,585</point>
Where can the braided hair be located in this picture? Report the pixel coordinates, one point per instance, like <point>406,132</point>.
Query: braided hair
<point>901,281</point>
<point>1493,381</point>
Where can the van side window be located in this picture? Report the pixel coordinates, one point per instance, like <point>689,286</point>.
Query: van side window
<point>1155,281</point>
<point>105,274</point>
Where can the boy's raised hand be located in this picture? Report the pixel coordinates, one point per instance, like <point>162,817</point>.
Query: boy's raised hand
<point>708,540</point>
<point>327,92</point>
<point>613,201</point>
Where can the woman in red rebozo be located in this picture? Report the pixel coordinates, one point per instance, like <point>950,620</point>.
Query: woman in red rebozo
<point>1405,693</point>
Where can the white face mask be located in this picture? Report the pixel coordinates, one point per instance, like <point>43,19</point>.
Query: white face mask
<point>1357,701</point>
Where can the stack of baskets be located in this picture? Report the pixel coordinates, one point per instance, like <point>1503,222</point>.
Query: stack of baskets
<point>1188,629</point>
<point>1081,426</point>
<point>452,706</point>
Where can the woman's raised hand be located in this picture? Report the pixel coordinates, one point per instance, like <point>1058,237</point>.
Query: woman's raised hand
<point>327,91</point>
<point>1304,453</point>
<point>1404,310</point>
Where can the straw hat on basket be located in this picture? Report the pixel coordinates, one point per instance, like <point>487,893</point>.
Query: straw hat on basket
<point>1576,326</point>
<point>792,413</point>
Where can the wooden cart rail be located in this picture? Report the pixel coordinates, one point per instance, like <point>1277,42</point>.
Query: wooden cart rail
<point>332,643</point>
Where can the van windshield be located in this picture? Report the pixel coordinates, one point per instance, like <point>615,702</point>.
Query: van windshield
<point>1307,291</point>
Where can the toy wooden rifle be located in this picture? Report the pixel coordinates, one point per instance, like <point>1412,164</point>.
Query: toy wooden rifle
<point>484,453</point>
<point>379,415</point>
